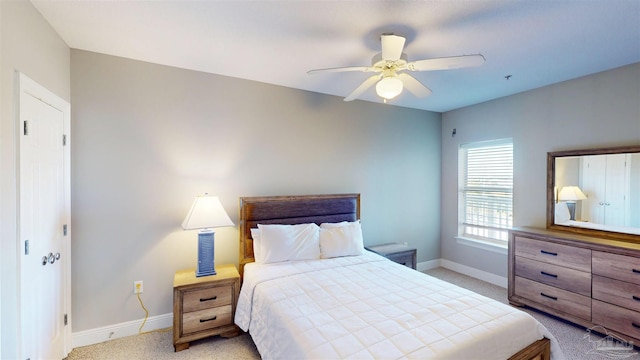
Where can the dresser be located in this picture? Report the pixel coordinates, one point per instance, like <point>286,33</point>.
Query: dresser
<point>204,306</point>
<point>586,280</point>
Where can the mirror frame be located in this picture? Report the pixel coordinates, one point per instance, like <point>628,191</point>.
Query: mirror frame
<point>551,179</point>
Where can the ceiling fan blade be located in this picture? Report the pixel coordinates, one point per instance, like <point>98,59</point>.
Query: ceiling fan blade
<point>452,62</point>
<point>363,87</point>
<point>392,46</point>
<point>414,86</point>
<point>342,69</point>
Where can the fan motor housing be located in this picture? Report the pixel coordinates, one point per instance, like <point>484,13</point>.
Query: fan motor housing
<point>378,61</point>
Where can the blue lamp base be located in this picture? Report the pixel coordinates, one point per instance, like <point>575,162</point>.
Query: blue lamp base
<point>206,265</point>
<point>572,210</point>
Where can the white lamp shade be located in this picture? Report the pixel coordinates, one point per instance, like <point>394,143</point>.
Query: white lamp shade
<point>206,212</point>
<point>389,87</point>
<point>571,193</point>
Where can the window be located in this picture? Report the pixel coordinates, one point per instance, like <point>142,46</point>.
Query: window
<point>486,185</point>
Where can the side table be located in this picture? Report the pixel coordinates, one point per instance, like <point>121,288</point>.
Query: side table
<point>400,253</point>
<point>204,306</point>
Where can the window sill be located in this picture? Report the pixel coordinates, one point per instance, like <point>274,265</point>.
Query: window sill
<point>484,245</point>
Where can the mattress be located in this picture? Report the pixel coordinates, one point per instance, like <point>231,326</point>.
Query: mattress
<point>367,307</point>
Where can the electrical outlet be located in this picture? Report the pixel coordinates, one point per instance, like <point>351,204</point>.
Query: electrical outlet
<point>137,287</point>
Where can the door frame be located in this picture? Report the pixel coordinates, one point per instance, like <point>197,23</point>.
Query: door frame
<point>28,87</point>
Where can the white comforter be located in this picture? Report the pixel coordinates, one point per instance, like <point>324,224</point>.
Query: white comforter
<point>367,307</point>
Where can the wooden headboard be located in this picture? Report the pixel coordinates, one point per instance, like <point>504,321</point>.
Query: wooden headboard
<point>292,210</point>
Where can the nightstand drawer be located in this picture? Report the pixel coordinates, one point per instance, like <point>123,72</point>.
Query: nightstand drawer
<point>406,258</point>
<point>552,253</point>
<point>617,292</point>
<point>206,319</point>
<point>206,298</point>
<point>398,253</point>
<point>621,267</point>
<point>554,298</point>
<point>554,275</point>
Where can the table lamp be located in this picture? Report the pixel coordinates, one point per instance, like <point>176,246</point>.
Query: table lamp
<point>206,213</point>
<point>571,194</point>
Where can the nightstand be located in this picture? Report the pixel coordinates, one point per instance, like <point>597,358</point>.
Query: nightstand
<point>204,306</point>
<point>400,253</point>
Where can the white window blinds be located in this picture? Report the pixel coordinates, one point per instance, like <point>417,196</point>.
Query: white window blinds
<point>487,189</point>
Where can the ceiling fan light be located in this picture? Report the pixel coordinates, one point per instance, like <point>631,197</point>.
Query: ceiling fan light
<point>389,87</point>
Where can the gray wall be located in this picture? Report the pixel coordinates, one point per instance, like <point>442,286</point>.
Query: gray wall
<point>148,138</point>
<point>28,44</point>
<point>600,110</point>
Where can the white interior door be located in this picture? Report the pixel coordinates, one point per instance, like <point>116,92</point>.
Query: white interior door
<point>44,216</point>
<point>593,185</point>
<point>616,190</point>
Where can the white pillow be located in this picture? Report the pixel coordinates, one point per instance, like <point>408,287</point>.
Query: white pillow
<point>562,213</point>
<point>332,225</point>
<point>288,242</point>
<point>255,235</point>
<point>341,239</point>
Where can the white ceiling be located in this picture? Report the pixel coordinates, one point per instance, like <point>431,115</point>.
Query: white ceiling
<point>537,42</point>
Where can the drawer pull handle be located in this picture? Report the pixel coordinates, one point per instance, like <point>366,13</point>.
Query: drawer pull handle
<point>636,271</point>
<point>208,299</point>
<point>548,253</point>
<point>635,325</point>
<point>548,274</point>
<point>209,319</point>
<point>636,298</point>
<point>549,296</point>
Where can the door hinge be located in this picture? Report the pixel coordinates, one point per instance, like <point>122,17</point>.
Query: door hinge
<point>25,128</point>
<point>64,139</point>
<point>65,320</point>
<point>64,229</point>
<point>26,247</point>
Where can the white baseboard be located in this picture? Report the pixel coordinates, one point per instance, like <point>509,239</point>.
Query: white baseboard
<point>110,332</point>
<point>428,265</point>
<point>478,274</point>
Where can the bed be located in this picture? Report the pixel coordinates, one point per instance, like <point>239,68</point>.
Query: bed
<point>362,306</point>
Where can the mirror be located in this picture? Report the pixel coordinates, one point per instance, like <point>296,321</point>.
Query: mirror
<point>595,192</point>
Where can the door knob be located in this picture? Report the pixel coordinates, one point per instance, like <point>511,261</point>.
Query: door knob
<point>50,258</point>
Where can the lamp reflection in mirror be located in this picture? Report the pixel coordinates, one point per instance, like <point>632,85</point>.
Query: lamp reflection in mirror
<point>389,87</point>
<point>206,213</point>
<point>571,194</point>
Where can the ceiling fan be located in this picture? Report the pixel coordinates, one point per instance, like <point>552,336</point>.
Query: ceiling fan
<point>390,65</point>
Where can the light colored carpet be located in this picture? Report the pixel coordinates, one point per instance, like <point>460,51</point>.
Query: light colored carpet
<point>159,345</point>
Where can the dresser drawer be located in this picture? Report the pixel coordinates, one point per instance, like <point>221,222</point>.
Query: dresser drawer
<point>554,275</point>
<point>552,297</point>
<point>195,300</point>
<point>552,253</point>
<point>616,292</point>
<point>621,267</point>
<point>206,319</point>
<point>616,318</point>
